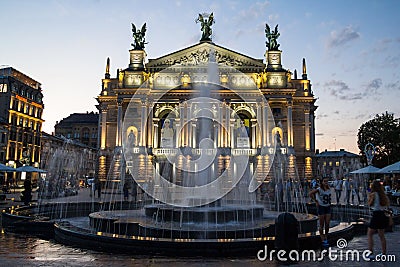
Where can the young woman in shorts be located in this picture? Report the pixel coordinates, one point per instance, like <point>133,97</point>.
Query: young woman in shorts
<point>322,198</point>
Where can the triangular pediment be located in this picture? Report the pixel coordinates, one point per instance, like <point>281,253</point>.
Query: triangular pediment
<point>200,54</point>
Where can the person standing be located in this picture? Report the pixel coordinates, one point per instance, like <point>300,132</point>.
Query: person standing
<point>338,189</point>
<point>97,187</point>
<point>322,198</point>
<point>378,201</point>
<point>126,188</point>
<point>347,187</point>
<point>355,191</point>
<point>27,193</point>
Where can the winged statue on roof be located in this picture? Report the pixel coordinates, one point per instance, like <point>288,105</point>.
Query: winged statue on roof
<point>206,21</point>
<point>272,36</point>
<point>138,37</point>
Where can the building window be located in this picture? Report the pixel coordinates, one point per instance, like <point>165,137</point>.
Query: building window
<point>337,163</point>
<point>324,163</point>
<point>3,138</point>
<point>276,111</point>
<point>15,104</point>
<point>330,163</point>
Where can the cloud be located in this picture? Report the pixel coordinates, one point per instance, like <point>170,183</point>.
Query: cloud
<point>319,134</point>
<point>393,86</point>
<point>321,116</point>
<point>360,116</point>
<point>343,37</point>
<point>254,10</point>
<point>340,90</point>
<point>392,61</point>
<point>273,17</point>
<point>373,87</point>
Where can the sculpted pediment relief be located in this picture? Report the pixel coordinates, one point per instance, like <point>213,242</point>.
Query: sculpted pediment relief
<point>200,54</point>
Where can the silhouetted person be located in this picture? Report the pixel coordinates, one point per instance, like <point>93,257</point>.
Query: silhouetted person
<point>126,188</point>
<point>97,187</point>
<point>27,193</point>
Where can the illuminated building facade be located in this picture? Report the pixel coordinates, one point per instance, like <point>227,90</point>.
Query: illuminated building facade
<point>333,164</point>
<point>87,155</point>
<point>81,127</point>
<point>21,102</point>
<point>290,99</point>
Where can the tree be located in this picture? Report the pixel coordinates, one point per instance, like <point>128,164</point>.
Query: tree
<point>383,131</point>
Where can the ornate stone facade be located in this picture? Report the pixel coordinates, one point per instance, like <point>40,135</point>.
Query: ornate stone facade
<point>290,99</point>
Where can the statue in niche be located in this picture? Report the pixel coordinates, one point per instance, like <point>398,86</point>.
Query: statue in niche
<point>272,36</point>
<point>167,134</point>
<point>206,21</point>
<point>132,139</point>
<point>242,135</point>
<point>138,37</point>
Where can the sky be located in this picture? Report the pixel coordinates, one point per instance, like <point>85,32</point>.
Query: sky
<point>352,49</point>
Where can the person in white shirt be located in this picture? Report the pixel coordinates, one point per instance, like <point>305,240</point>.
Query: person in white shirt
<point>322,198</point>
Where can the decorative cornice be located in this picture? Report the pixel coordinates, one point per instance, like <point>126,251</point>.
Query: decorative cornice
<point>200,54</point>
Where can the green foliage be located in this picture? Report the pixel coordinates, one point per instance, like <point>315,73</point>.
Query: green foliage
<point>383,131</point>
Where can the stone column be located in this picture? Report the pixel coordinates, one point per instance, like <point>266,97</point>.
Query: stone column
<point>312,128</point>
<point>118,137</point>
<point>307,128</point>
<point>290,124</point>
<point>189,126</point>
<point>103,128</point>
<point>220,132</point>
<point>180,131</point>
<point>155,133</point>
<point>150,126</point>
<point>253,133</point>
<point>227,125</point>
<point>259,125</point>
<point>266,140</point>
<point>143,123</point>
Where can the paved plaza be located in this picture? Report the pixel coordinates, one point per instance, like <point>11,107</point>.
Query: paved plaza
<point>18,250</point>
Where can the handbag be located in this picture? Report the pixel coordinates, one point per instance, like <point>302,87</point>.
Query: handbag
<point>388,214</point>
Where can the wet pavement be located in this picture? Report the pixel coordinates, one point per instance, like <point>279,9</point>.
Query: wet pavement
<point>20,250</point>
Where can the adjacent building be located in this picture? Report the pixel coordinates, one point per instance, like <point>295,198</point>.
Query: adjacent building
<point>80,127</point>
<point>69,159</point>
<point>333,164</point>
<point>21,102</point>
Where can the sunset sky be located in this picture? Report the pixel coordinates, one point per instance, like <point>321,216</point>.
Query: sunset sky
<point>352,49</point>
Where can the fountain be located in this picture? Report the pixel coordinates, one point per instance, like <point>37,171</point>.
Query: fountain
<point>206,187</point>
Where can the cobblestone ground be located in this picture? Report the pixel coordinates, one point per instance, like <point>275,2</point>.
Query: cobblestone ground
<point>21,250</point>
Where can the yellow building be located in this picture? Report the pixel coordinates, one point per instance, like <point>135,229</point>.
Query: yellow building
<point>22,108</point>
<point>248,91</point>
